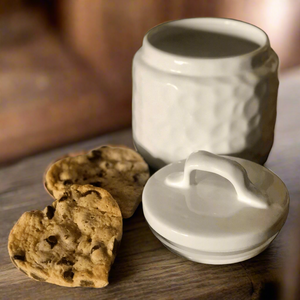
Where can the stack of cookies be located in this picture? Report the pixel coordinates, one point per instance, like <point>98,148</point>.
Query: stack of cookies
<point>73,242</point>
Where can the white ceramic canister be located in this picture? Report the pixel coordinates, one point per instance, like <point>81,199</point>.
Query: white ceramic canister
<point>204,83</point>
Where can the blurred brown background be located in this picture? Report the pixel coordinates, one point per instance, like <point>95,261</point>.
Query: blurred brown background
<point>65,66</point>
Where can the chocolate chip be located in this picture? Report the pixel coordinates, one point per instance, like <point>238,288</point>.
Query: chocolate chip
<point>67,182</point>
<point>90,192</point>
<point>19,257</point>
<point>136,177</point>
<point>52,241</point>
<point>37,277</point>
<point>68,275</point>
<point>97,184</point>
<point>108,165</point>
<point>95,248</point>
<point>101,173</point>
<point>65,261</point>
<point>50,212</point>
<point>63,198</point>
<point>97,153</point>
<point>94,155</point>
<point>86,283</point>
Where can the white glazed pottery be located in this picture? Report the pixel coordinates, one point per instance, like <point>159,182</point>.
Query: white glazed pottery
<point>204,83</point>
<point>214,209</point>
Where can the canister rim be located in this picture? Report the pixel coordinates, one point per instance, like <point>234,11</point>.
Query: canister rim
<point>187,64</point>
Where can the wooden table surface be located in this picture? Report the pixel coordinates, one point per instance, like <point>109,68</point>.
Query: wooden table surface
<point>144,268</point>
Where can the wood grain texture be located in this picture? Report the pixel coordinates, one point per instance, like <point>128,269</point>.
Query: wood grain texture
<point>144,269</point>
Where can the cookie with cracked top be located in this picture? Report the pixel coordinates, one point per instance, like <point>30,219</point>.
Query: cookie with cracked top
<point>119,170</point>
<point>71,243</point>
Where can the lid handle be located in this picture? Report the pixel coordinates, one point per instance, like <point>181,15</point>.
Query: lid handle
<point>225,167</point>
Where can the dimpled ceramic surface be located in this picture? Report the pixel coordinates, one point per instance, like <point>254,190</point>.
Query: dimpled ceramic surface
<point>225,105</point>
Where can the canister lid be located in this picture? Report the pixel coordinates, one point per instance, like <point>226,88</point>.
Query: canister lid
<point>215,204</point>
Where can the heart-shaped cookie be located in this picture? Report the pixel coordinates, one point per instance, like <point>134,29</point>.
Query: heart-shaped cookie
<point>119,170</point>
<point>71,243</point>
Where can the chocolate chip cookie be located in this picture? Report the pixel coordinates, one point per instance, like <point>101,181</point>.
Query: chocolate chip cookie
<point>71,243</point>
<point>119,170</point>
